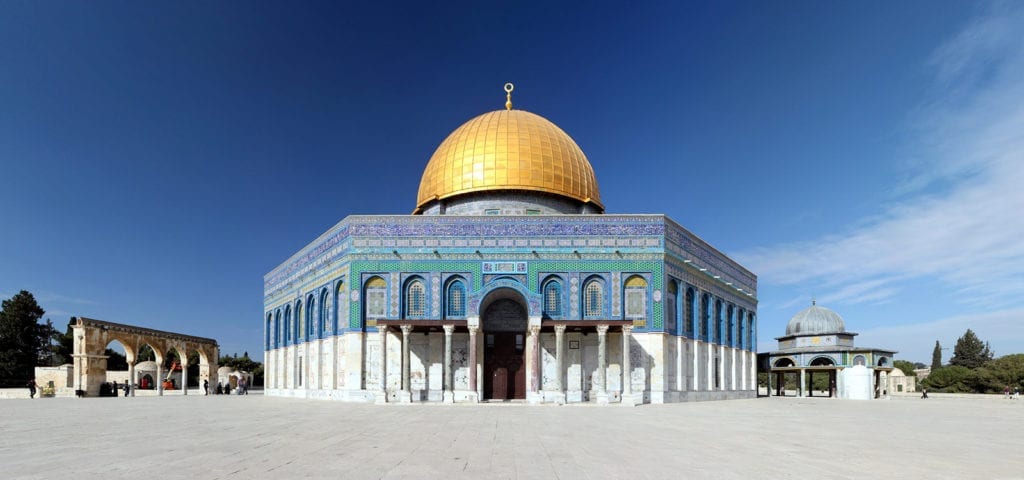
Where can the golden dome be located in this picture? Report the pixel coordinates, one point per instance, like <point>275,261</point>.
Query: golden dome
<point>508,150</point>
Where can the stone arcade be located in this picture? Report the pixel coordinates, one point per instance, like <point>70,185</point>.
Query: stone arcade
<point>91,338</point>
<point>509,282</point>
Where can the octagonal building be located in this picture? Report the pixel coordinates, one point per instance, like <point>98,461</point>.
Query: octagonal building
<point>509,282</point>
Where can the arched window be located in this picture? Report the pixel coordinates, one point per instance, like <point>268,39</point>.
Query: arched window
<point>324,312</point>
<point>376,297</point>
<point>298,318</point>
<point>751,332</point>
<point>415,299</point>
<point>270,330</point>
<point>740,316</point>
<point>688,312</point>
<point>593,298</point>
<point>278,332</point>
<point>718,322</point>
<point>339,316</point>
<point>310,324</point>
<point>730,323</point>
<point>860,360</point>
<point>635,298</point>
<point>288,325</point>
<point>670,306</point>
<point>553,298</point>
<point>705,316</point>
<point>456,299</point>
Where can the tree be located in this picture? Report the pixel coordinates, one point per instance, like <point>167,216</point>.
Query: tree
<point>24,342</point>
<point>970,351</point>
<point>907,367</point>
<point>952,379</point>
<point>937,356</point>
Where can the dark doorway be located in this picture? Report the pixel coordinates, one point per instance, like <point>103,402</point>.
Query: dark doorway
<point>503,366</point>
<point>504,325</point>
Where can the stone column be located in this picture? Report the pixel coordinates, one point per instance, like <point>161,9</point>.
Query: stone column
<point>472,358</point>
<point>532,358</point>
<point>627,369</point>
<point>449,372</point>
<point>602,364</point>
<point>680,378</point>
<point>560,362</point>
<point>184,371</point>
<point>131,377</point>
<point>406,391</point>
<point>382,394</point>
<point>803,383</point>
<point>695,349</point>
<point>160,378</point>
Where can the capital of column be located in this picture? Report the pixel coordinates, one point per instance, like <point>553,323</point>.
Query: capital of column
<point>534,331</point>
<point>406,330</point>
<point>602,330</point>
<point>474,330</point>
<point>382,329</point>
<point>559,329</point>
<point>627,329</point>
<point>448,330</point>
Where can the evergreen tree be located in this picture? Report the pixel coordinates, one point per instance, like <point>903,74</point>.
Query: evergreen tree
<point>937,357</point>
<point>970,351</point>
<point>24,342</point>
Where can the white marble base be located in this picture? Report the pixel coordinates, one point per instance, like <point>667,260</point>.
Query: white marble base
<point>554,397</point>
<point>602,398</point>
<point>632,399</point>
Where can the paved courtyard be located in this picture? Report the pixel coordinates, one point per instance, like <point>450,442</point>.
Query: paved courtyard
<point>260,437</point>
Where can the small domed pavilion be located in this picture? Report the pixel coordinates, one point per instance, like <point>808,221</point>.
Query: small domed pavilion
<point>817,343</point>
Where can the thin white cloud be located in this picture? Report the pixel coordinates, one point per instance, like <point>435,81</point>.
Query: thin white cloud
<point>1003,329</point>
<point>963,221</point>
<point>50,297</point>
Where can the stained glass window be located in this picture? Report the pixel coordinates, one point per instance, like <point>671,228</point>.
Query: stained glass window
<point>553,298</point>
<point>456,299</point>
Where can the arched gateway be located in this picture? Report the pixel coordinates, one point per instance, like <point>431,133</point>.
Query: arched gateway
<point>93,336</point>
<point>504,324</point>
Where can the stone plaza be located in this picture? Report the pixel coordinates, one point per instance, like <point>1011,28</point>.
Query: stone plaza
<point>207,437</point>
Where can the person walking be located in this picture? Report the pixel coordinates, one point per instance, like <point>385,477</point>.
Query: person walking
<point>127,389</point>
<point>114,391</point>
<point>206,387</point>
<point>31,388</point>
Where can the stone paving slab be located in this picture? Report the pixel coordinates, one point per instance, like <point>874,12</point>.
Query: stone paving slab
<point>253,436</point>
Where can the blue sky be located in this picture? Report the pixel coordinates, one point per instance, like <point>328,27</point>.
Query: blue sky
<point>157,160</point>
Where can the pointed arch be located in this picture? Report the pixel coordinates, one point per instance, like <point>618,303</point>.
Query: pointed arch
<point>415,298</point>
<point>689,306</point>
<point>376,298</point>
<point>552,290</point>
<point>593,297</point>
<point>455,298</point>
<point>634,298</point>
<point>288,331</point>
<point>323,313</point>
<point>671,306</point>
<point>309,322</point>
